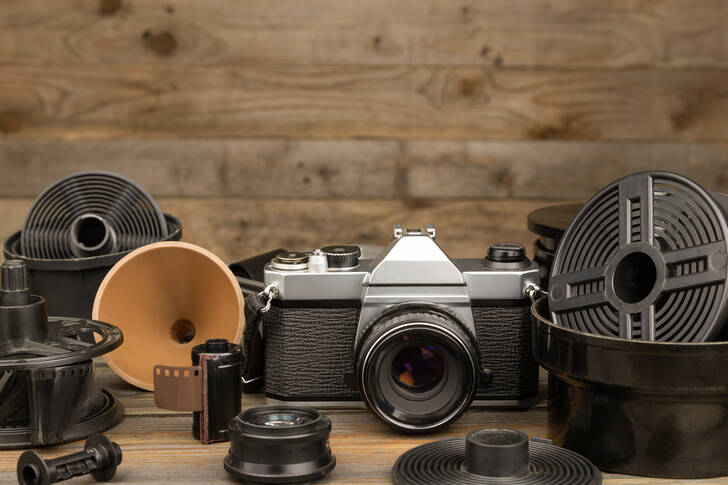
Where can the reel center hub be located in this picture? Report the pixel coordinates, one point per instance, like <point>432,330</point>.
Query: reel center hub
<point>634,277</point>
<point>91,235</point>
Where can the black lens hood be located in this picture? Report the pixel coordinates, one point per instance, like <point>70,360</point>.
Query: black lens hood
<point>279,444</point>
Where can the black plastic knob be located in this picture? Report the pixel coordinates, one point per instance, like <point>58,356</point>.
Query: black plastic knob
<point>342,257</point>
<point>14,275</point>
<point>14,287</point>
<point>506,253</point>
<point>506,257</point>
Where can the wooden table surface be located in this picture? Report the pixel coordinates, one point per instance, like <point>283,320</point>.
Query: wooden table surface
<point>159,448</point>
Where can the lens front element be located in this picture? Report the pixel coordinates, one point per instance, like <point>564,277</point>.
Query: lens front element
<point>417,368</point>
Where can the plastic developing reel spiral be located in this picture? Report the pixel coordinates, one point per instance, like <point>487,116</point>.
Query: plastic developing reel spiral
<point>90,214</point>
<point>644,259</point>
<point>493,457</point>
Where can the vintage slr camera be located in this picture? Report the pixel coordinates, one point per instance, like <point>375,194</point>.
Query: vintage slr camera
<point>414,334</point>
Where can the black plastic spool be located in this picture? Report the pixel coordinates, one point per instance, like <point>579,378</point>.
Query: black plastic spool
<point>100,458</point>
<point>279,444</point>
<point>493,456</point>
<point>646,258</point>
<point>654,409</point>
<point>48,388</point>
<point>91,214</point>
<point>70,285</point>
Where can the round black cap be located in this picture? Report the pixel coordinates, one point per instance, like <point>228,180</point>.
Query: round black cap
<point>506,253</point>
<point>215,346</point>
<point>340,257</point>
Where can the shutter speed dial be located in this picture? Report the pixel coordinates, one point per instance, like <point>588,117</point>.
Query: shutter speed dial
<point>342,257</point>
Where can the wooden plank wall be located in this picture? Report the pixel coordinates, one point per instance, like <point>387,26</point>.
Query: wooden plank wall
<point>303,122</point>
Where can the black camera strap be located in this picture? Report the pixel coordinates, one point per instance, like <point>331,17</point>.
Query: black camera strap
<point>252,364</point>
<point>256,306</point>
<point>249,273</point>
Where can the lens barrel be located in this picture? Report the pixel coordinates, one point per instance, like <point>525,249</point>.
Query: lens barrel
<point>417,369</point>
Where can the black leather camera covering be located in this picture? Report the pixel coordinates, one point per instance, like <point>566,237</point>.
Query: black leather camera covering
<point>309,351</point>
<point>504,341</point>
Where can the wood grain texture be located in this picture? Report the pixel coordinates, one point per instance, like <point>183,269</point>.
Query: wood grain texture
<point>158,446</point>
<point>400,102</point>
<point>236,228</point>
<point>303,123</point>
<point>530,33</point>
<point>362,169</point>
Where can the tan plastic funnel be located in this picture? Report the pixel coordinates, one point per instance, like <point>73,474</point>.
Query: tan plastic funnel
<point>166,298</point>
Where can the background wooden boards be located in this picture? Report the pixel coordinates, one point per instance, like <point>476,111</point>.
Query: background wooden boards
<point>390,102</point>
<point>528,33</point>
<point>297,123</point>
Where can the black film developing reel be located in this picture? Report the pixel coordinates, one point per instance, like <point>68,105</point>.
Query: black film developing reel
<point>48,388</point>
<point>493,457</point>
<point>90,214</point>
<point>644,259</point>
<point>69,341</point>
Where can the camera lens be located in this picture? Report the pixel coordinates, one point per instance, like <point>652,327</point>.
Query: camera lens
<point>417,369</point>
<point>279,444</point>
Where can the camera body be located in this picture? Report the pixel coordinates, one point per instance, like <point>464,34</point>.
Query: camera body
<point>415,335</point>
